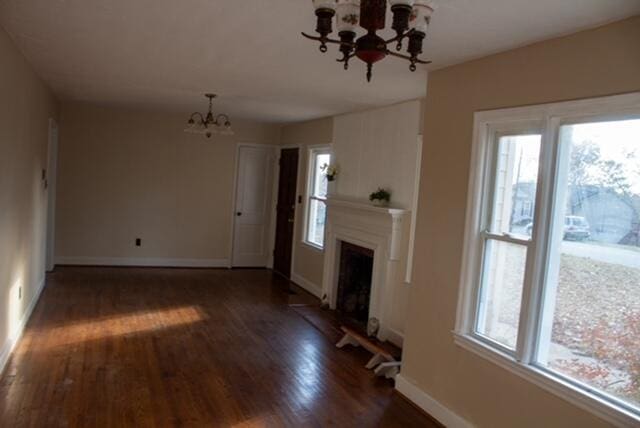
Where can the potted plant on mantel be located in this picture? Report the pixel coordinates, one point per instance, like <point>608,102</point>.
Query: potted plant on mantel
<point>380,197</point>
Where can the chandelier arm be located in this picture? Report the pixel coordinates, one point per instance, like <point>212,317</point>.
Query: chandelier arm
<point>408,58</point>
<point>197,114</point>
<point>327,40</point>
<point>400,37</point>
<point>346,58</point>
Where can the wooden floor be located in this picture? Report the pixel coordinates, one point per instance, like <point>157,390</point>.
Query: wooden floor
<point>199,348</point>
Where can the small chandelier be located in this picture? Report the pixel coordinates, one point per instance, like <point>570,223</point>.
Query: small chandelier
<point>209,124</point>
<point>411,19</point>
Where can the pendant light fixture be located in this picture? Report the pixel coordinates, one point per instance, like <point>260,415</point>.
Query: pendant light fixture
<point>209,124</point>
<point>411,20</point>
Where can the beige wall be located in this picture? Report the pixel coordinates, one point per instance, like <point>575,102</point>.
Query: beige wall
<point>26,105</point>
<point>127,174</point>
<point>308,261</point>
<point>593,63</point>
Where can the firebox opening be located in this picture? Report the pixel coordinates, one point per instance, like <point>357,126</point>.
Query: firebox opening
<point>354,282</point>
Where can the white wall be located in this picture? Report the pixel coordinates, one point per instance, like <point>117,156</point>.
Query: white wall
<point>26,104</point>
<point>378,148</point>
<point>374,148</point>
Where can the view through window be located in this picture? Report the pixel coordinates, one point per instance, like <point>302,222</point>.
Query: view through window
<point>512,213</point>
<point>591,318</point>
<point>318,184</point>
<point>574,278</point>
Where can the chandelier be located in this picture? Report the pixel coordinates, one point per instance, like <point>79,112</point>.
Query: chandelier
<point>410,21</point>
<point>209,124</point>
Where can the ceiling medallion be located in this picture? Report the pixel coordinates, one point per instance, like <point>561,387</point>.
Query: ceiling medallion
<point>410,21</point>
<point>209,124</point>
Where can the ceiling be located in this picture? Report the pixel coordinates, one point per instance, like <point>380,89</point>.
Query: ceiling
<point>167,53</point>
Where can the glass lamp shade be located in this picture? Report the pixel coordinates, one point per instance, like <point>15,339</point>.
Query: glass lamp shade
<point>324,4</point>
<point>401,2</point>
<point>348,15</point>
<point>193,127</point>
<point>421,16</point>
<point>227,131</point>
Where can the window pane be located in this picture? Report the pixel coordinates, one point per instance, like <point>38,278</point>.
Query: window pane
<point>501,292</point>
<point>590,327</point>
<point>320,179</point>
<point>515,184</point>
<point>317,216</point>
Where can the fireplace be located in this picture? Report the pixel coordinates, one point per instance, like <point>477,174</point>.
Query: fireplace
<point>354,282</point>
<point>376,238</point>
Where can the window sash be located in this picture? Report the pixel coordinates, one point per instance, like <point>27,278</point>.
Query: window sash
<point>487,129</point>
<point>493,135</point>
<point>312,184</point>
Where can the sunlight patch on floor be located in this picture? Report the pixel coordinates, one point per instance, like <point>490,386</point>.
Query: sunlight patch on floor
<point>130,324</point>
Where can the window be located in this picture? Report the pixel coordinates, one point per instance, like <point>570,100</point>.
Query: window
<point>317,195</point>
<point>551,273</point>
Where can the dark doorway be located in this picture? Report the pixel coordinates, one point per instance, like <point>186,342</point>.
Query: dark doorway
<point>285,211</point>
<point>354,282</point>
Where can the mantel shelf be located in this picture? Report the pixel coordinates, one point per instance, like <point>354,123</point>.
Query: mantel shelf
<point>357,204</point>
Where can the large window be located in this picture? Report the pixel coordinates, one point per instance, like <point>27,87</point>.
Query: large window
<point>551,280</point>
<point>317,186</point>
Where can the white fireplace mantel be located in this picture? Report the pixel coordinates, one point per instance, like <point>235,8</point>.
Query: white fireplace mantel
<point>381,229</point>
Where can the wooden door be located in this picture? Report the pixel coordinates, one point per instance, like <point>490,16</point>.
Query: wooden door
<point>252,206</point>
<point>285,211</point>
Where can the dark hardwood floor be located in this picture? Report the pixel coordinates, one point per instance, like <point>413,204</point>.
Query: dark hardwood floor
<point>199,348</point>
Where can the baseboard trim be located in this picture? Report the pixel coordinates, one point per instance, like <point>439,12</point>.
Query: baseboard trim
<point>12,340</point>
<point>393,336</point>
<point>427,403</point>
<point>307,285</point>
<point>142,262</point>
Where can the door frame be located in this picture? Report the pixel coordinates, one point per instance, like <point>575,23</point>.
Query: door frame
<point>271,232</point>
<point>296,211</point>
<point>53,140</point>
<point>276,183</point>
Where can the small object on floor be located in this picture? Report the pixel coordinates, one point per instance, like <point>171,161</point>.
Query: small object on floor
<point>383,363</point>
<point>373,326</point>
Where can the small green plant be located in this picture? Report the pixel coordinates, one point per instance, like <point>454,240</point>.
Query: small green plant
<point>380,195</point>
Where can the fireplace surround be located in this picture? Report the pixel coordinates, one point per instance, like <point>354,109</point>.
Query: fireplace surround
<point>384,232</point>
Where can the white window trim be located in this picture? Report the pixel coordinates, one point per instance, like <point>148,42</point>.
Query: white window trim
<point>312,152</point>
<point>551,116</point>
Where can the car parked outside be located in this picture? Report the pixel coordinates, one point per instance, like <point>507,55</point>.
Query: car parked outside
<point>576,228</point>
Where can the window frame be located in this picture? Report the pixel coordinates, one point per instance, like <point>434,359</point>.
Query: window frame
<point>313,153</point>
<point>488,127</point>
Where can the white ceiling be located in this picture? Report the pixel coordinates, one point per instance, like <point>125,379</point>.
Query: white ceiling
<point>166,53</point>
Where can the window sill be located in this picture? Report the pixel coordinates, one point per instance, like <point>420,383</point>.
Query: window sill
<point>594,404</point>
<point>314,247</point>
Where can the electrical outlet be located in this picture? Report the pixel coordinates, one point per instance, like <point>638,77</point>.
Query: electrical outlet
<point>138,242</point>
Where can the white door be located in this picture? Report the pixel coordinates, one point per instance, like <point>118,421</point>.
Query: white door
<point>252,206</point>
<point>51,193</point>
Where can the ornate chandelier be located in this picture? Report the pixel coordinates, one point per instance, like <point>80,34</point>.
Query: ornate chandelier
<point>209,124</point>
<point>410,21</point>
